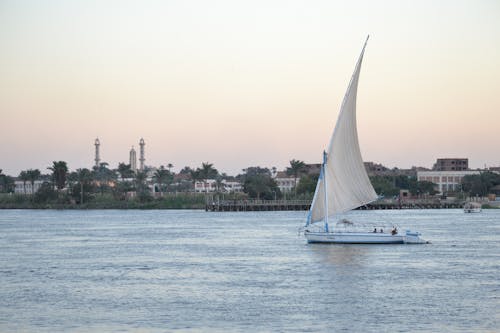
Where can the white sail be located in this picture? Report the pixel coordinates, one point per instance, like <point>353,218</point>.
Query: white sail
<point>344,178</point>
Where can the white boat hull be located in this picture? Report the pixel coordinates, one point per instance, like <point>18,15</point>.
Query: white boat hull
<point>472,210</point>
<point>363,238</point>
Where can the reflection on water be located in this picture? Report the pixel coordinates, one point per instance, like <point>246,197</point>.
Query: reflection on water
<point>340,254</point>
<point>192,271</point>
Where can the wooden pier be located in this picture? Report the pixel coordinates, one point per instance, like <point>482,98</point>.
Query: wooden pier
<point>257,205</point>
<point>284,205</point>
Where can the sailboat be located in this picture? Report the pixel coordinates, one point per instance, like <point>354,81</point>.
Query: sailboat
<point>343,185</point>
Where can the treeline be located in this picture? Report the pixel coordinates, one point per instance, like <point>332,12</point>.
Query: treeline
<point>392,185</point>
<point>480,185</point>
<point>102,187</point>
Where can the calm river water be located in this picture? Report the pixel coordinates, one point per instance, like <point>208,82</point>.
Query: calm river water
<point>192,271</point>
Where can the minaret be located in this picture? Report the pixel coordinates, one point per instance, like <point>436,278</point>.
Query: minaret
<point>133,160</point>
<point>142,159</point>
<point>97,153</point>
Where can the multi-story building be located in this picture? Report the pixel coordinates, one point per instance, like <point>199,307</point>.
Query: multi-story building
<point>451,164</point>
<point>446,181</point>
<point>285,182</point>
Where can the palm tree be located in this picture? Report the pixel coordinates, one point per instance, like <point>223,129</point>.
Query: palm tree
<point>125,171</point>
<point>59,173</point>
<point>207,172</point>
<point>295,168</point>
<point>2,180</point>
<point>83,176</point>
<point>219,183</point>
<point>195,176</point>
<point>140,181</point>
<point>25,178</point>
<point>6,182</point>
<point>161,176</point>
<point>33,175</point>
<point>104,176</point>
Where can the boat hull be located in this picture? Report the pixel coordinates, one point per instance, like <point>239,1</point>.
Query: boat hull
<point>472,210</point>
<point>354,238</point>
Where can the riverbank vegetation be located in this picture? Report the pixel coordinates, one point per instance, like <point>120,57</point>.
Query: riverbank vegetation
<point>160,188</point>
<point>104,201</point>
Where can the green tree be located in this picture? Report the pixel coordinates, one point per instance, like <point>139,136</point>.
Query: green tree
<point>260,186</point>
<point>125,171</point>
<point>162,176</point>
<point>480,185</point>
<point>384,185</point>
<point>195,176</point>
<point>296,167</point>
<point>24,177</point>
<point>103,176</point>
<point>6,183</point>
<point>59,173</point>
<point>33,175</point>
<point>252,171</point>
<point>45,194</point>
<point>307,184</point>
<point>207,172</point>
<point>141,186</point>
<point>425,187</point>
<point>258,183</point>
<point>84,187</point>
<point>219,184</point>
<point>186,170</point>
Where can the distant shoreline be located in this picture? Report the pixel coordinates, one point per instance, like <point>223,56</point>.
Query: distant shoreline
<point>223,206</point>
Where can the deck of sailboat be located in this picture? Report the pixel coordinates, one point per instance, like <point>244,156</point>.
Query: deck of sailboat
<point>354,238</point>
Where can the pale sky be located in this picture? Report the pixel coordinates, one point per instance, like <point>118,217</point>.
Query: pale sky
<point>246,83</point>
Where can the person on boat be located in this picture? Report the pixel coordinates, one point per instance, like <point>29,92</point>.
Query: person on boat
<point>381,230</point>
<point>375,230</point>
<point>394,231</point>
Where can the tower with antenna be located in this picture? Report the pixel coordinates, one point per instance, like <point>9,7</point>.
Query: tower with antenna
<point>97,152</point>
<point>142,154</point>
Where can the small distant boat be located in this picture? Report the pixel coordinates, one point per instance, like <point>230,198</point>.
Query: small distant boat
<point>472,207</point>
<point>343,185</point>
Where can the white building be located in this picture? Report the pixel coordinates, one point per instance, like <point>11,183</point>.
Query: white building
<point>210,185</point>
<point>285,182</point>
<point>26,188</point>
<point>445,180</point>
<point>232,186</point>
